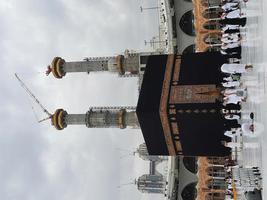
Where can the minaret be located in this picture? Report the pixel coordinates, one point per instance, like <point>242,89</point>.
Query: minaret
<point>143,153</point>
<point>151,183</point>
<point>127,64</point>
<point>97,117</point>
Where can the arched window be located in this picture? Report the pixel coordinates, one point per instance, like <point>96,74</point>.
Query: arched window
<point>189,192</point>
<point>216,172</point>
<point>216,184</point>
<point>190,164</point>
<point>187,23</point>
<point>213,38</point>
<point>212,25</point>
<point>212,13</point>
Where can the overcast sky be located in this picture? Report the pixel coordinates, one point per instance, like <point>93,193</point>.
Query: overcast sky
<point>37,161</point>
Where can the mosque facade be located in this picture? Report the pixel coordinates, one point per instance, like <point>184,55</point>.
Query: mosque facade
<point>190,178</point>
<point>191,26</point>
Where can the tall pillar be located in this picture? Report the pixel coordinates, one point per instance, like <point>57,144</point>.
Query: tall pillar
<point>98,117</point>
<point>128,64</point>
<point>150,183</point>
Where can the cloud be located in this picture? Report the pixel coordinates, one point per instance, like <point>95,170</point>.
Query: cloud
<point>38,162</point>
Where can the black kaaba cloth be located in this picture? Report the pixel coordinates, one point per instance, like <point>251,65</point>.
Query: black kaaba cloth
<point>201,125</point>
<point>148,105</point>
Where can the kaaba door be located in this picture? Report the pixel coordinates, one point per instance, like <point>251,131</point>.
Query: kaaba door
<point>182,94</point>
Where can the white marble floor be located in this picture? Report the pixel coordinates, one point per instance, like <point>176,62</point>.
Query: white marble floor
<point>254,51</point>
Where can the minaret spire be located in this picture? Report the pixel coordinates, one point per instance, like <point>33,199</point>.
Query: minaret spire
<point>121,64</point>
<point>97,117</point>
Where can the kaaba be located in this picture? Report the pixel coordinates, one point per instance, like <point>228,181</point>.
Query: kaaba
<point>179,108</point>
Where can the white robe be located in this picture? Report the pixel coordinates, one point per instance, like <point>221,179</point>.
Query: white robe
<point>230,35</point>
<point>230,38</point>
<point>246,128</point>
<point>233,14</point>
<point>232,99</point>
<point>230,27</point>
<point>223,52</point>
<point>238,92</point>
<point>231,134</point>
<point>231,117</point>
<point>229,79</point>
<point>258,129</point>
<point>229,6</point>
<point>231,84</point>
<point>233,68</point>
<point>230,45</point>
<point>229,91</point>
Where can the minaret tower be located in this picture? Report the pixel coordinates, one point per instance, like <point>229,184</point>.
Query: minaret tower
<point>151,183</point>
<point>127,64</point>
<point>97,117</point>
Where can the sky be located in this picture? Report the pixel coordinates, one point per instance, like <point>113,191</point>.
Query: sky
<point>37,161</point>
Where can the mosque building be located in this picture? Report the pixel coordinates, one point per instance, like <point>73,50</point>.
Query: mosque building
<point>190,178</point>
<point>178,105</point>
<point>207,27</point>
<point>175,92</point>
<point>187,26</point>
